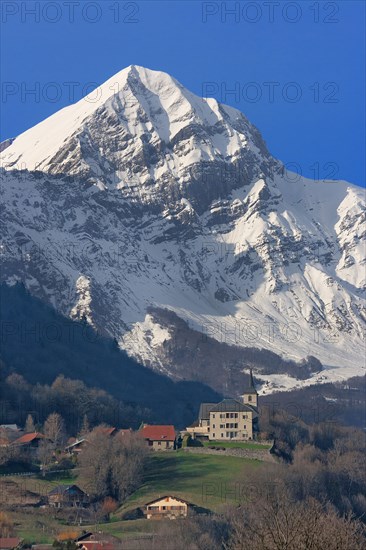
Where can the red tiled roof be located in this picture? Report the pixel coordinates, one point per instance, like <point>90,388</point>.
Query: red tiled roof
<point>158,433</point>
<point>9,542</point>
<point>28,438</point>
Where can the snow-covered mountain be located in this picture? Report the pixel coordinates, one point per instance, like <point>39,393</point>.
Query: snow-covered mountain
<point>144,197</point>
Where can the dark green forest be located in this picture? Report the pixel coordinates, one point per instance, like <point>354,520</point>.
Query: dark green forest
<point>39,344</point>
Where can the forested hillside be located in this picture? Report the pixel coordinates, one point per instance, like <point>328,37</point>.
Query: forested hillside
<point>40,344</point>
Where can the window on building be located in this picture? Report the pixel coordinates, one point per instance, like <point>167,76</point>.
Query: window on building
<point>245,426</point>
<point>213,425</point>
<point>222,435</point>
<point>249,398</point>
<point>159,442</point>
<point>213,435</point>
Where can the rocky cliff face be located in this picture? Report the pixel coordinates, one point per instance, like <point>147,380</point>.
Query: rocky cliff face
<point>143,195</point>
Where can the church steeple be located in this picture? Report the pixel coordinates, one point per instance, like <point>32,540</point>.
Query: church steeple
<point>252,380</point>
<point>250,394</point>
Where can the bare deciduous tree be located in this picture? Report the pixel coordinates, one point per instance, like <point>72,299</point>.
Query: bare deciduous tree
<point>6,525</point>
<point>279,523</point>
<point>112,466</point>
<point>54,429</point>
<point>45,454</point>
<point>85,428</point>
<point>29,424</point>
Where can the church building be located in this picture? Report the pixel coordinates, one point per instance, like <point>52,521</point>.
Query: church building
<point>231,419</point>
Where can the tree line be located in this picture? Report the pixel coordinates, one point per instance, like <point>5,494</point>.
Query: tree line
<point>72,399</point>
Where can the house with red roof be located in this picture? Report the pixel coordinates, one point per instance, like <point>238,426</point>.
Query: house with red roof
<point>10,543</point>
<point>30,440</point>
<point>158,437</point>
<point>98,541</point>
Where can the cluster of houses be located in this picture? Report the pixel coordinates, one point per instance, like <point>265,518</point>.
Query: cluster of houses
<point>228,420</point>
<point>157,437</point>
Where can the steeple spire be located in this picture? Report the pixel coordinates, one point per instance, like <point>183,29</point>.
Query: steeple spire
<point>250,394</point>
<point>251,379</point>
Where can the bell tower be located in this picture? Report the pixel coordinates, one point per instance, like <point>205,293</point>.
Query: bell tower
<point>250,395</point>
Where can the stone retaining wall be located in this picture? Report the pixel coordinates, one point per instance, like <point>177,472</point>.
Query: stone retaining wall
<point>254,454</point>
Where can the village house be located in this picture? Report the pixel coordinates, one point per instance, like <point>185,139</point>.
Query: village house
<point>65,496</point>
<point>29,440</point>
<point>8,434</point>
<point>166,507</point>
<point>159,438</point>
<point>10,543</point>
<point>97,541</point>
<point>229,419</point>
<point>12,427</point>
<point>74,445</point>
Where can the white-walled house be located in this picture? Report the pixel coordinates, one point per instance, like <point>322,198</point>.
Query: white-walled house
<point>166,507</point>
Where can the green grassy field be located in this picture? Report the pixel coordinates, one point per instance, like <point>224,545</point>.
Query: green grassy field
<point>34,525</point>
<point>43,485</point>
<point>204,480</point>
<point>201,479</point>
<point>127,529</point>
<point>237,445</point>
<point>207,481</point>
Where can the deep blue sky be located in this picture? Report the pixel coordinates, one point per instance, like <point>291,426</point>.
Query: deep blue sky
<point>310,49</point>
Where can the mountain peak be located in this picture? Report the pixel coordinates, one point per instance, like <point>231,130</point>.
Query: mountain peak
<point>140,113</point>
<point>174,202</point>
